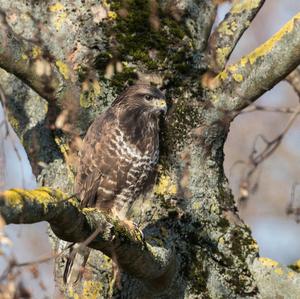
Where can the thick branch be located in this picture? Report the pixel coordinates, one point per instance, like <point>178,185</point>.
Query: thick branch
<point>153,265</point>
<point>224,39</point>
<point>242,83</point>
<point>28,62</point>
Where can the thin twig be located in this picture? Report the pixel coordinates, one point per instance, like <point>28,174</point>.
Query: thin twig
<point>256,159</point>
<point>254,108</point>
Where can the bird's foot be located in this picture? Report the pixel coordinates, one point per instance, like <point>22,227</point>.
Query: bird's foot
<point>133,226</point>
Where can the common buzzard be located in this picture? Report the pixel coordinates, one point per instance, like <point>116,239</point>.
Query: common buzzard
<point>120,151</point>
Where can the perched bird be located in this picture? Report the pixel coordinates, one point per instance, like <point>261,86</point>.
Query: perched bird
<point>120,152</point>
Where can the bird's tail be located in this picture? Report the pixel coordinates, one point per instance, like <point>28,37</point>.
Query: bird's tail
<point>75,264</point>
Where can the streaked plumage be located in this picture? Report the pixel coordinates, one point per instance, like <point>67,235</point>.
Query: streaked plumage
<point>120,151</point>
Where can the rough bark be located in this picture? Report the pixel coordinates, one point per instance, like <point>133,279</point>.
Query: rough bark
<point>224,39</point>
<point>191,211</point>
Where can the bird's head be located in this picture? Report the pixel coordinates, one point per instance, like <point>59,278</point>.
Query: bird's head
<point>147,98</point>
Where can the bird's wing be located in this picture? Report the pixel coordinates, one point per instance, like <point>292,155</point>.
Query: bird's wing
<point>88,172</point>
<point>96,180</point>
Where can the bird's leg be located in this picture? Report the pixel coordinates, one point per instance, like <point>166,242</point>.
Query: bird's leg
<point>128,223</point>
<point>116,276</point>
<point>133,226</point>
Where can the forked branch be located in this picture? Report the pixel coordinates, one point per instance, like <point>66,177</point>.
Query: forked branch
<point>242,83</point>
<point>224,39</point>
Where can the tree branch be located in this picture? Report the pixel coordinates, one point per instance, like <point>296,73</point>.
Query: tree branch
<point>224,39</point>
<point>242,83</point>
<point>28,62</point>
<point>153,265</point>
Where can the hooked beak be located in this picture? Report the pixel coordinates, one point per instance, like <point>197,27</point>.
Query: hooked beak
<point>160,104</point>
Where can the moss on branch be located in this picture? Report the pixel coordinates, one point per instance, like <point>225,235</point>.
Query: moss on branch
<point>153,265</point>
<point>28,62</point>
<point>225,37</point>
<point>243,82</point>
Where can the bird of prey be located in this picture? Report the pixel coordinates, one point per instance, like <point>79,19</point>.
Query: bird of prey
<point>120,152</point>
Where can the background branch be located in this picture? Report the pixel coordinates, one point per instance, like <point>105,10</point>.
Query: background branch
<point>224,39</point>
<point>260,70</point>
<point>153,265</point>
<point>28,61</point>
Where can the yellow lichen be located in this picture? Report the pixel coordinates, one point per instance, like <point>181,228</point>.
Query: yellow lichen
<point>24,57</point>
<point>238,77</point>
<point>12,196</point>
<point>63,69</point>
<point>297,264</point>
<point>254,246</point>
<point>112,15</point>
<point>222,54</point>
<point>59,20</point>
<point>291,274</point>
<point>165,186</point>
<point>222,241</point>
<point>13,121</point>
<point>268,262</point>
<point>234,26</point>
<point>278,271</point>
<point>60,17</point>
<point>72,293</point>
<point>105,3</point>
<point>196,205</point>
<point>225,28</point>
<point>96,87</point>
<point>36,52</point>
<point>232,68</point>
<point>243,61</point>
<point>214,208</point>
<point>89,93</point>
<point>223,75</point>
<point>91,289</point>
<point>258,52</point>
<point>64,148</point>
<point>269,44</point>
<point>17,197</point>
<point>241,6</point>
<point>56,7</point>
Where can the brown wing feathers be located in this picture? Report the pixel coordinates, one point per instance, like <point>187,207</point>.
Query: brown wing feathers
<point>119,152</point>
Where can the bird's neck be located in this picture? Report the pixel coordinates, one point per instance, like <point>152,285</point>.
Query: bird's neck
<point>139,126</point>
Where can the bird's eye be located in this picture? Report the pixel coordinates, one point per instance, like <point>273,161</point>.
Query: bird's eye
<point>148,97</point>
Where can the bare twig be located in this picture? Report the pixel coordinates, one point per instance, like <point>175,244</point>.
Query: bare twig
<point>256,159</point>
<point>254,108</point>
<point>293,206</point>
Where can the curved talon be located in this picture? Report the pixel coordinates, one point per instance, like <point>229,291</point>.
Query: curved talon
<point>133,225</point>
<point>141,232</point>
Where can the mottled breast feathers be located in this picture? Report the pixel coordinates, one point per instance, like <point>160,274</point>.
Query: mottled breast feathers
<point>120,150</point>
